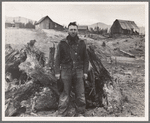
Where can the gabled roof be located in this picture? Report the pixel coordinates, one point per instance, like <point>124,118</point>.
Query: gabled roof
<point>42,20</point>
<point>83,27</point>
<point>125,24</point>
<point>58,24</point>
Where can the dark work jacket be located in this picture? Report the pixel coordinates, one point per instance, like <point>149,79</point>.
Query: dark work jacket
<point>66,56</point>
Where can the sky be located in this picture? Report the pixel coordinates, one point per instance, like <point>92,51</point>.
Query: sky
<point>84,13</point>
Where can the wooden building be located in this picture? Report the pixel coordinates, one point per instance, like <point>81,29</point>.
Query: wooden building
<point>47,23</point>
<point>124,27</point>
<point>83,29</point>
<point>17,24</point>
<point>13,24</point>
<point>9,24</point>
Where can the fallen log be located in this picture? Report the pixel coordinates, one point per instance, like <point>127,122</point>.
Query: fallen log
<point>128,54</point>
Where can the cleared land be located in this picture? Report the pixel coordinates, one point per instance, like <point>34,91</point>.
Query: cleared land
<point>129,71</point>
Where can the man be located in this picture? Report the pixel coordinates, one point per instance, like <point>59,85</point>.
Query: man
<point>72,66</point>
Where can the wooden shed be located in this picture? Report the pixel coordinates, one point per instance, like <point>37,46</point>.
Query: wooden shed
<point>9,24</point>
<point>17,24</point>
<point>47,23</point>
<point>124,27</point>
<point>83,29</point>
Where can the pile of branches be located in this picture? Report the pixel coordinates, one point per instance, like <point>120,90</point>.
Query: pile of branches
<point>35,87</point>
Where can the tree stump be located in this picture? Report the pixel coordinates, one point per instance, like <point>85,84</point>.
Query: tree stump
<point>108,92</point>
<point>33,66</point>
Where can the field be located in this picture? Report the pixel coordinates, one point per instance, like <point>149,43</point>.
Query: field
<point>129,71</point>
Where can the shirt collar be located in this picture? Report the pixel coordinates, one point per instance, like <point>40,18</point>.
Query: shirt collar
<point>70,40</point>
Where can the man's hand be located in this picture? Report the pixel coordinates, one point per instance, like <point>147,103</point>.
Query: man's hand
<point>85,76</point>
<point>57,76</point>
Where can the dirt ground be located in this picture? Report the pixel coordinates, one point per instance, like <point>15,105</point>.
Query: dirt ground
<point>129,71</point>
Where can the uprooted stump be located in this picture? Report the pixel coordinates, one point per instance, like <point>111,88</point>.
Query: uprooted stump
<point>108,92</point>
<point>35,71</point>
<point>33,66</point>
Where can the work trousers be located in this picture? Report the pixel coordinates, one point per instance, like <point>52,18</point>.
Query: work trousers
<point>72,77</point>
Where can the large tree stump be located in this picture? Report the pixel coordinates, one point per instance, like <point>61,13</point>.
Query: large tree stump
<point>33,66</point>
<point>107,89</point>
<point>38,74</point>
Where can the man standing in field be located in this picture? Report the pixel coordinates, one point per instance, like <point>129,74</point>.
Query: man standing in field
<point>72,66</point>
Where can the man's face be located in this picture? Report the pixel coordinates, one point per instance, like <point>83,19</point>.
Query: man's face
<point>72,30</point>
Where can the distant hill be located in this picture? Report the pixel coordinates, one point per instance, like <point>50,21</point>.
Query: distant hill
<point>18,19</point>
<point>100,25</point>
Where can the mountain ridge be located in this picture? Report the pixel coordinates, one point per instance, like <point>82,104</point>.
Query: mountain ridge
<point>100,25</point>
<point>18,19</point>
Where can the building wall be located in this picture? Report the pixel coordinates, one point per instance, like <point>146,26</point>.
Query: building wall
<point>125,31</point>
<point>48,24</point>
<point>83,31</point>
<point>37,26</point>
<point>58,27</point>
<point>8,25</point>
<point>116,28</point>
<point>17,25</point>
<point>45,24</point>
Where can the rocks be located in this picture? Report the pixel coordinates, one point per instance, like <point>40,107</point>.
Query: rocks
<point>128,73</point>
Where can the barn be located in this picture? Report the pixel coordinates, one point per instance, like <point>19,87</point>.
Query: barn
<point>83,29</point>
<point>124,27</point>
<point>47,23</point>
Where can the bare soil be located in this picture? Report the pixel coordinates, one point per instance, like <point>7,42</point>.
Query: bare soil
<point>129,71</point>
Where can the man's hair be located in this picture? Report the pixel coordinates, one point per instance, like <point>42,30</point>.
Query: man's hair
<point>73,24</point>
